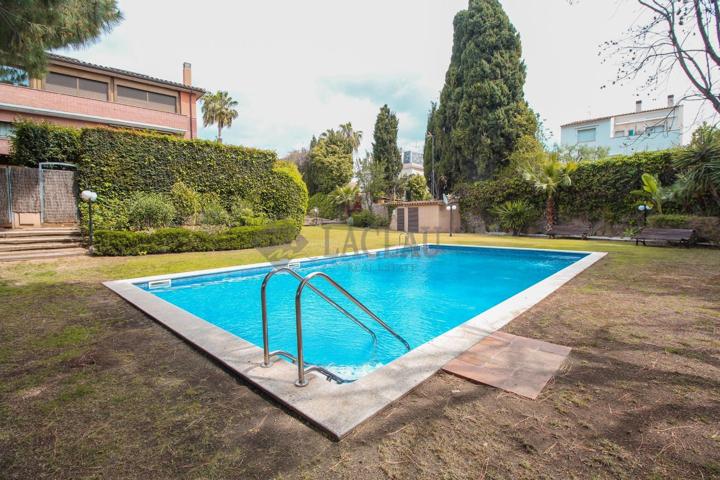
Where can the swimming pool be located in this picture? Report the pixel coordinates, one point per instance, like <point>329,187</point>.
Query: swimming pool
<point>420,292</point>
<point>441,299</point>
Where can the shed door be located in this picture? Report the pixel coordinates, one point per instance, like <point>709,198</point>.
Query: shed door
<point>413,220</point>
<point>401,219</point>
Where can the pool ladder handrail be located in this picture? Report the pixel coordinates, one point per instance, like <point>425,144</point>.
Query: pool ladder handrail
<point>301,382</point>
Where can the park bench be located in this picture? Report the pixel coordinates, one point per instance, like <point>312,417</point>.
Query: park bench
<point>682,236</point>
<point>581,231</point>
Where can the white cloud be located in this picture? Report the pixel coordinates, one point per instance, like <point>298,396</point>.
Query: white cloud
<point>298,68</point>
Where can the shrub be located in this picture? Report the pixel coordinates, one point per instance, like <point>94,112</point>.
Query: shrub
<point>177,240</point>
<point>186,202</point>
<point>33,143</point>
<point>150,210</point>
<point>213,213</point>
<point>242,213</point>
<point>707,228</point>
<point>116,164</point>
<point>326,207</point>
<point>367,219</point>
<point>514,215</point>
<point>417,188</point>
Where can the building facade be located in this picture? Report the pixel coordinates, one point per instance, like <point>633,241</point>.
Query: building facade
<point>412,163</point>
<point>624,134</point>
<point>79,94</point>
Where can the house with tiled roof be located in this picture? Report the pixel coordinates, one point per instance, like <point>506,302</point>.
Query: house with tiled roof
<point>627,133</point>
<point>80,94</point>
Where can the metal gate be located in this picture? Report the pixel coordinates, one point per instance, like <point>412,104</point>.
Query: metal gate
<point>5,197</point>
<point>401,219</point>
<point>32,196</point>
<point>413,219</point>
<point>58,193</point>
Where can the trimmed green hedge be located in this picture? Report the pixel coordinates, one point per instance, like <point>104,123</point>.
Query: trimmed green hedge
<point>33,143</point>
<point>600,189</point>
<point>117,164</point>
<point>177,240</point>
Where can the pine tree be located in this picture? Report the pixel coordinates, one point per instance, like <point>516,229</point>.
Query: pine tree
<point>482,111</point>
<point>385,148</point>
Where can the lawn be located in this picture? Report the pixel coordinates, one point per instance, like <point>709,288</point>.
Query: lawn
<point>92,388</point>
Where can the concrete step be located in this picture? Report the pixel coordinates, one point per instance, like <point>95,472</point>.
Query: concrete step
<point>42,254</point>
<point>38,246</point>
<point>38,232</point>
<point>75,238</point>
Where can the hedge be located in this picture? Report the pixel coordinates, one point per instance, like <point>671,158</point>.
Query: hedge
<point>33,143</point>
<point>117,164</point>
<point>177,240</point>
<point>600,189</point>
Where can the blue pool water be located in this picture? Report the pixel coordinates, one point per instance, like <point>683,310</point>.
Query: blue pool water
<point>421,293</point>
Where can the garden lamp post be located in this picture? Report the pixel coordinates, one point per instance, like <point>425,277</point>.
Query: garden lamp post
<point>316,212</point>
<point>432,160</point>
<point>644,209</point>
<point>451,209</point>
<point>89,197</point>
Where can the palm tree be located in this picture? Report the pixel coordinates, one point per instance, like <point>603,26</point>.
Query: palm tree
<point>351,136</point>
<point>345,196</point>
<point>700,164</point>
<point>548,174</point>
<point>219,108</point>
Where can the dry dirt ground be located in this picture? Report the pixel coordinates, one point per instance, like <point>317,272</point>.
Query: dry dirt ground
<point>92,388</point>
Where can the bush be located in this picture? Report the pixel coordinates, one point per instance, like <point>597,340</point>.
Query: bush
<point>367,219</point>
<point>515,215</point>
<point>326,207</point>
<point>186,202</point>
<point>116,164</point>
<point>242,213</point>
<point>177,240</point>
<point>150,210</point>
<point>33,143</point>
<point>417,188</point>
<point>707,228</point>
<point>213,213</point>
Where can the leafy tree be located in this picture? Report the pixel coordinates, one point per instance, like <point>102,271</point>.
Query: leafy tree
<point>330,164</point>
<point>345,197</point>
<point>581,153</point>
<point>482,111</point>
<point>548,175</point>
<point>219,108</point>
<point>385,147</point>
<point>416,188</point>
<point>28,28</point>
<point>700,164</point>
<point>299,157</point>
<point>371,179</point>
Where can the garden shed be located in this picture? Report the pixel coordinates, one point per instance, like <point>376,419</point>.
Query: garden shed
<point>424,216</point>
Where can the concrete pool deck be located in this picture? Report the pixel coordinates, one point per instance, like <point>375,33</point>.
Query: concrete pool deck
<point>338,409</point>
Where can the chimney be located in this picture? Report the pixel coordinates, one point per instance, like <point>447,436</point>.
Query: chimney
<point>187,74</point>
<point>671,100</point>
<point>638,106</point>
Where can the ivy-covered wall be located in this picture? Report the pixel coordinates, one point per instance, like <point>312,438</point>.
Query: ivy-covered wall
<point>600,190</point>
<point>33,143</point>
<point>117,164</point>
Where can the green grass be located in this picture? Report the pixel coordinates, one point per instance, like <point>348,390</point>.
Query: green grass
<point>92,388</point>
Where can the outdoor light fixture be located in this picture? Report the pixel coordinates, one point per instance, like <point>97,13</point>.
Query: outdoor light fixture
<point>451,209</point>
<point>89,197</point>
<point>644,209</point>
<point>316,212</point>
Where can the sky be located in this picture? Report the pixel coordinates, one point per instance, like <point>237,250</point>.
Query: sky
<point>299,67</point>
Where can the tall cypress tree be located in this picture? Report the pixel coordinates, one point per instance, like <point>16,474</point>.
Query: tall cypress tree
<point>482,111</point>
<point>385,147</point>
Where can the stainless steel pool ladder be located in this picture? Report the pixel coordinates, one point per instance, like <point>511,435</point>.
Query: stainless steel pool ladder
<point>305,281</point>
